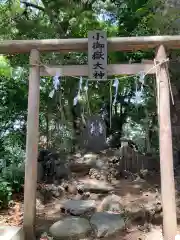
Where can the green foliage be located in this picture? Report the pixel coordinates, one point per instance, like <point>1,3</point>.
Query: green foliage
<point>14,175</point>
<point>11,180</point>
<point>48,19</point>
<point>12,172</point>
<point>5,193</point>
<point>5,68</point>
<point>13,153</point>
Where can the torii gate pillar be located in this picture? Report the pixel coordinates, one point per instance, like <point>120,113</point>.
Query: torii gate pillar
<point>32,147</point>
<point>165,146</point>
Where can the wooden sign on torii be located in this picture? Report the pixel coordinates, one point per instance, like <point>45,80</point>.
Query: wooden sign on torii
<point>34,47</point>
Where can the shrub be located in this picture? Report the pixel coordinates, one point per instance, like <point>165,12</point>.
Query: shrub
<point>5,193</point>
<point>14,175</point>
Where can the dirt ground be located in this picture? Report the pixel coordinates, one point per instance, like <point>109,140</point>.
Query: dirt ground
<point>139,198</point>
<point>136,198</point>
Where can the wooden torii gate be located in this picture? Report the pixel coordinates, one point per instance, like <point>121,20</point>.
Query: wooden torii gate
<point>34,47</point>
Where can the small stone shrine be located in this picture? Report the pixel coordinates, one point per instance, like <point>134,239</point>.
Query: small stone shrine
<point>94,136</point>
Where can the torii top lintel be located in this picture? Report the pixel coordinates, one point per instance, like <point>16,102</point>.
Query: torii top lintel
<point>81,44</point>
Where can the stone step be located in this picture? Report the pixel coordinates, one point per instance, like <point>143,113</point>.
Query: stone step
<point>11,233</point>
<point>106,224</point>
<point>101,224</point>
<point>95,186</point>
<point>70,228</point>
<point>78,207</point>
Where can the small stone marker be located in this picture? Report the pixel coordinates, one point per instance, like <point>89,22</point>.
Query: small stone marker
<point>94,135</point>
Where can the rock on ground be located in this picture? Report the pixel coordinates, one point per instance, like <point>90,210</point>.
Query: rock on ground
<point>110,203</point>
<point>79,207</point>
<point>105,224</point>
<point>70,228</point>
<point>95,186</point>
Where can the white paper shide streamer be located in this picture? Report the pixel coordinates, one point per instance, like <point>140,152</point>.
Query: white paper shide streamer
<point>115,84</point>
<point>86,86</point>
<point>56,84</point>
<point>138,94</point>
<point>141,79</point>
<point>76,98</point>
